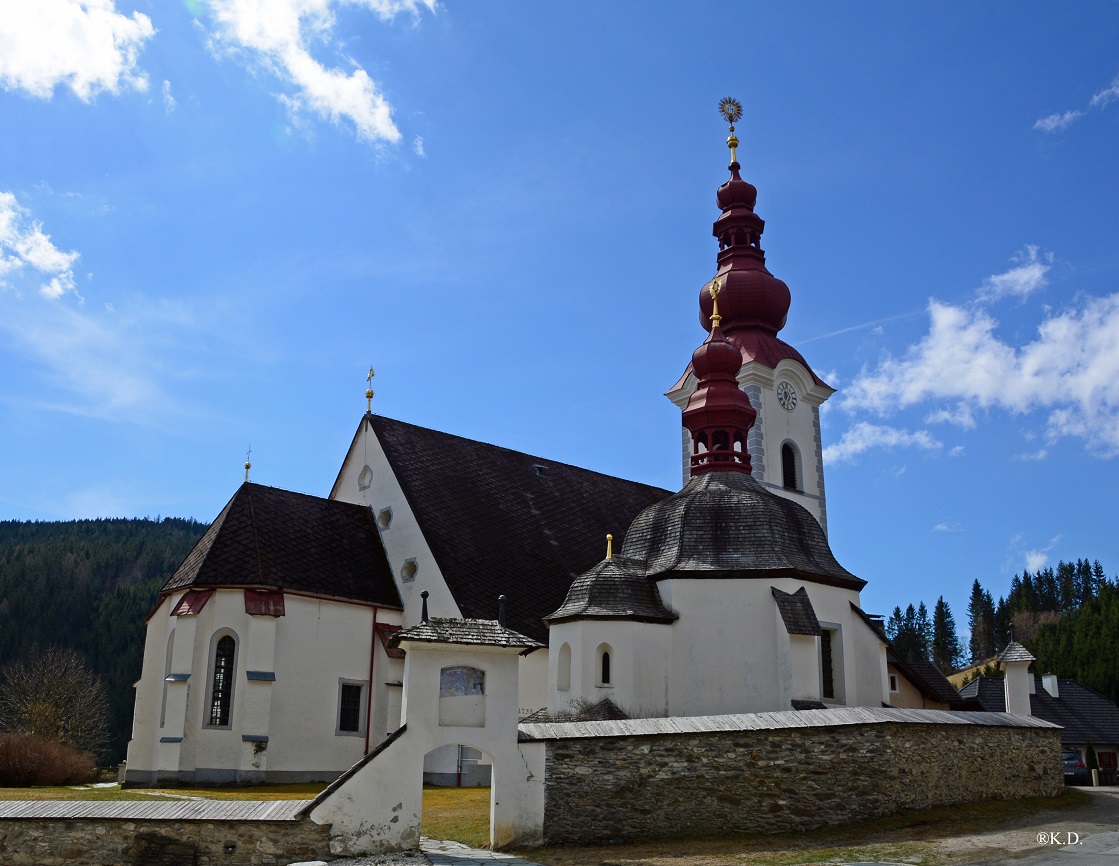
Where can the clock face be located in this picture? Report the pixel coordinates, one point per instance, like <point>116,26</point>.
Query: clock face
<point>787,396</point>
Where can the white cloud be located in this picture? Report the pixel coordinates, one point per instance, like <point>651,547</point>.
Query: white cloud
<point>956,451</point>
<point>1057,122</point>
<point>168,99</point>
<point>1070,370</point>
<point>85,45</point>
<point>1063,119</point>
<point>418,146</point>
<point>279,35</point>
<point>1107,95</point>
<point>1036,559</point>
<point>1026,277</point>
<point>1031,456</point>
<point>863,437</point>
<point>23,246</point>
<point>946,527</point>
<point>960,416</point>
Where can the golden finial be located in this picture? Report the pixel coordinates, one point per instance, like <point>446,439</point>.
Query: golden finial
<point>713,289</point>
<point>731,109</point>
<point>609,546</point>
<point>248,465</point>
<point>369,390</point>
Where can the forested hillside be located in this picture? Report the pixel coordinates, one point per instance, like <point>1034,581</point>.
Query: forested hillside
<point>1067,616</point>
<point>87,584</point>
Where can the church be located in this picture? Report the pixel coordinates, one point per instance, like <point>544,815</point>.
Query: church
<point>270,654</point>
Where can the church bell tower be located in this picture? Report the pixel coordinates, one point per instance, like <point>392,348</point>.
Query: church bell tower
<point>784,443</point>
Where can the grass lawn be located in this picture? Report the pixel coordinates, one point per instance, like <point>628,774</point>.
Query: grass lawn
<point>460,814</point>
<point>115,792</point>
<point>911,838</point>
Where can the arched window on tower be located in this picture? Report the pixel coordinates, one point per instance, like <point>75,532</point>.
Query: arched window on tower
<point>605,673</point>
<point>790,473</point>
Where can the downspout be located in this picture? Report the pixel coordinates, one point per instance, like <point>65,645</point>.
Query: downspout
<point>369,696</point>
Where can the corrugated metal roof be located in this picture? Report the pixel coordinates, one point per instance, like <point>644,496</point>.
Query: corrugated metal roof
<point>836,717</point>
<point>153,810</point>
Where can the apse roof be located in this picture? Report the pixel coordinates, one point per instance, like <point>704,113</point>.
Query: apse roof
<point>267,537</point>
<point>613,589</point>
<point>501,522</point>
<point>727,525</point>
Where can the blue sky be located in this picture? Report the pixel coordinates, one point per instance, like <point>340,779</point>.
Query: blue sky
<point>213,220</point>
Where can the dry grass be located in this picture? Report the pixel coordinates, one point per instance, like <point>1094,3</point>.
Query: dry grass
<point>914,838</point>
<point>115,792</point>
<point>459,814</point>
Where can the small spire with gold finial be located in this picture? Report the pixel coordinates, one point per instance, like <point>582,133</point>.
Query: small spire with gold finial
<point>731,109</point>
<point>248,465</point>
<point>609,546</point>
<point>713,289</point>
<point>369,390</point>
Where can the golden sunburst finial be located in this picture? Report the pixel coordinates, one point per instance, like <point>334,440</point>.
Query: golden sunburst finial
<point>713,289</point>
<point>731,109</point>
<point>609,546</point>
<point>369,390</point>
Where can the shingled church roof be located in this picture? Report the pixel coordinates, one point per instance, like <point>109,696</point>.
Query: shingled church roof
<point>267,537</point>
<point>503,522</point>
<point>726,524</point>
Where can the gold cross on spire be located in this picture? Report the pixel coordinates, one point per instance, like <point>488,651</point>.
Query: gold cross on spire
<point>369,390</point>
<point>248,465</point>
<point>731,109</point>
<point>713,289</point>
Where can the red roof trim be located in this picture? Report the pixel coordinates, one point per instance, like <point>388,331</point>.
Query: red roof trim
<point>384,632</point>
<point>192,602</point>
<point>264,602</point>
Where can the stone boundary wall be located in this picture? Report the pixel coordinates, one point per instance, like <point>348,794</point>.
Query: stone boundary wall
<point>608,788</point>
<point>99,842</point>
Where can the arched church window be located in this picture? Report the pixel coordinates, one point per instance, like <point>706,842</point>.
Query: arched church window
<point>166,676</point>
<point>789,473</point>
<point>220,703</point>
<point>563,669</point>
<point>605,674</point>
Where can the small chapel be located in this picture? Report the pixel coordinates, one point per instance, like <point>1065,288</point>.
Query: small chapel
<point>275,650</point>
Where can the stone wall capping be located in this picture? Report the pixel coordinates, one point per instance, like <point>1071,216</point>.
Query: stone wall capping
<point>836,717</point>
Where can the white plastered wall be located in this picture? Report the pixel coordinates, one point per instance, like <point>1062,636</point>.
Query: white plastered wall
<point>730,653</point>
<point>317,643</point>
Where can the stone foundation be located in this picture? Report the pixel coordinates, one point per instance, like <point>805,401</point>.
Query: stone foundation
<point>88,842</point>
<point>778,779</point>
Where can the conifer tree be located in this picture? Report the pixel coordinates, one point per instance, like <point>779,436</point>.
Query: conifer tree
<point>946,649</point>
<point>980,621</point>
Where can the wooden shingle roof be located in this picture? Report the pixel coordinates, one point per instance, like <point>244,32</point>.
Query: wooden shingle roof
<point>272,538</point>
<point>501,522</point>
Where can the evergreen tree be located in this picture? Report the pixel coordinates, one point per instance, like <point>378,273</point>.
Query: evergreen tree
<point>946,649</point>
<point>980,621</point>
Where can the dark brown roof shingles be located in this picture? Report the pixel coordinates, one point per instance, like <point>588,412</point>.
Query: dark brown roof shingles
<point>267,537</point>
<point>499,525</point>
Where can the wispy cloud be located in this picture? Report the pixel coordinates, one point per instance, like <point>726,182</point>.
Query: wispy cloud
<point>1026,277</point>
<point>85,45</point>
<point>25,247</point>
<point>279,36</point>
<point>418,146</point>
<point>864,437</point>
<point>1031,456</point>
<point>1064,119</point>
<point>168,99</point>
<point>1057,122</point>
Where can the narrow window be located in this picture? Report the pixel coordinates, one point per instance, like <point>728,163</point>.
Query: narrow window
<point>349,712</point>
<point>221,691</point>
<point>789,467</point>
<point>606,668</point>
<point>563,669</point>
<point>894,683</point>
<point>166,677</point>
<point>826,665</point>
